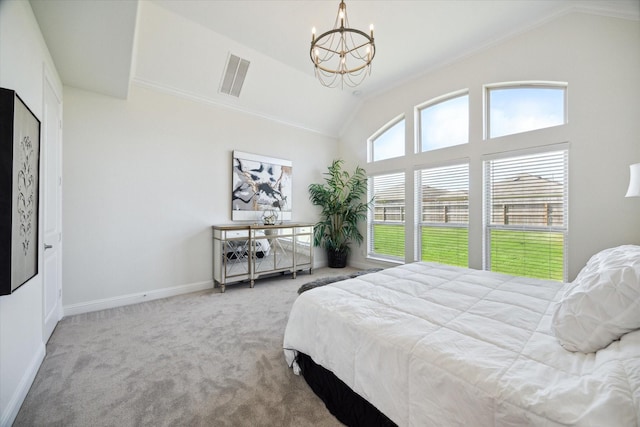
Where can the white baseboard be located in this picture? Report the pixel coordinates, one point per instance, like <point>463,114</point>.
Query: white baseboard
<point>9,414</point>
<point>103,304</point>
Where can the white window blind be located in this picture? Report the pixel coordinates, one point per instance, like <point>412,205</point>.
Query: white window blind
<point>442,201</point>
<point>526,215</point>
<point>387,219</point>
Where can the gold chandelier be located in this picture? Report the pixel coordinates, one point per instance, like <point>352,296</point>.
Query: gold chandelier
<point>342,56</point>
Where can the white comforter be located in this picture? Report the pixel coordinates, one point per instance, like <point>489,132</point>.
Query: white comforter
<point>429,344</point>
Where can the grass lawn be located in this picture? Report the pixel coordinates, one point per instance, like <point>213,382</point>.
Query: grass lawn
<point>531,254</point>
<point>389,240</point>
<point>526,253</point>
<point>446,245</point>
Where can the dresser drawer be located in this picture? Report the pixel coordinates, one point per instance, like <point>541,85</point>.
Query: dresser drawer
<point>235,234</point>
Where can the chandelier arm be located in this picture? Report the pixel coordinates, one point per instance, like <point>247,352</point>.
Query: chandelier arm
<point>355,49</point>
<point>327,49</point>
<point>317,40</point>
<point>315,46</point>
<point>343,70</point>
<point>370,41</point>
<point>330,37</point>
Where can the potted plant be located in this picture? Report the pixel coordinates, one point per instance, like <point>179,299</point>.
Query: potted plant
<point>341,199</point>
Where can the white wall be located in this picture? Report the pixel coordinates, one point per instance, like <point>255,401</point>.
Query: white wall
<point>599,57</point>
<point>144,181</point>
<point>23,56</point>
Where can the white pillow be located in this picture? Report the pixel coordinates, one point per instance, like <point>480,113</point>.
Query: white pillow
<point>603,303</point>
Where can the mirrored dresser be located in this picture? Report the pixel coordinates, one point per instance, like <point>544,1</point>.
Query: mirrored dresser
<point>247,251</point>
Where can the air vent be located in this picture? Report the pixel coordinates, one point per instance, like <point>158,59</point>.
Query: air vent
<point>234,75</point>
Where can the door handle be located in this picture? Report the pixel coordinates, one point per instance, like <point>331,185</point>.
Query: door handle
<point>47,246</point>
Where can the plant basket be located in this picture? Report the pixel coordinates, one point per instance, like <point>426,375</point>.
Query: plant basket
<point>337,259</point>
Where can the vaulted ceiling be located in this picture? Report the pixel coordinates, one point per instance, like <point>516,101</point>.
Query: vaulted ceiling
<point>181,46</point>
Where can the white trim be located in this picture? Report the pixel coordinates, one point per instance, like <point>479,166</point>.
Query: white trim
<point>374,263</point>
<point>138,297</point>
<point>487,197</point>
<point>49,81</point>
<point>133,66</point>
<point>531,84</point>
<point>443,164</point>
<point>602,9</point>
<point>11,411</point>
<point>209,101</point>
<point>377,134</point>
<point>439,99</point>
<point>384,128</point>
<point>260,158</point>
<point>418,109</point>
<point>540,149</point>
<point>596,10</point>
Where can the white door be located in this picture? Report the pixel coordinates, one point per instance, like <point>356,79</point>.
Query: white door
<point>51,131</point>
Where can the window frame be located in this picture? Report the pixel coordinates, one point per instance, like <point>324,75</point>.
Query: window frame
<point>486,89</point>
<point>487,208</point>
<point>419,224</point>
<point>371,140</point>
<point>433,102</point>
<point>516,144</point>
<point>371,221</point>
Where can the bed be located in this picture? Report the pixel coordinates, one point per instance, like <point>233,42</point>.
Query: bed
<point>428,344</point>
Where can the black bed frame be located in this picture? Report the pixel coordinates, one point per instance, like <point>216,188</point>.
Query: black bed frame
<point>345,404</point>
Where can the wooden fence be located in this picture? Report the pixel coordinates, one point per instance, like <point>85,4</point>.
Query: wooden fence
<point>536,214</point>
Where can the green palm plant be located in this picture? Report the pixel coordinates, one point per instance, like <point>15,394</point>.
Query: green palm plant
<point>341,199</point>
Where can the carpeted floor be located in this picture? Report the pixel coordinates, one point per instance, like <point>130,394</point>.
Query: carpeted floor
<point>201,359</point>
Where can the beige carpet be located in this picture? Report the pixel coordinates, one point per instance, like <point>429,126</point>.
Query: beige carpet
<point>201,359</point>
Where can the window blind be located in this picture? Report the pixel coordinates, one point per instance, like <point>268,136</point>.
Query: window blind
<point>387,218</point>
<point>526,214</point>
<point>442,201</point>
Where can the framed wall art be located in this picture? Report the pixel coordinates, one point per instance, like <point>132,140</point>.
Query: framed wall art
<point>261,188</point>
<point>19,187</point>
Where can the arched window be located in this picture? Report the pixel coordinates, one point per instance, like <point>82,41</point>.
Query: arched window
<point>388,142</point>
<point>516,108</point>
<point>516,189</point>
<point>444,122</point>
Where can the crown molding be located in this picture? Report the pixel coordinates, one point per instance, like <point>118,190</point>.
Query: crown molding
<point>160,87</point>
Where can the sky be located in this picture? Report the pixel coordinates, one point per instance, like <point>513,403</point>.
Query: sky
<point>511,110</point>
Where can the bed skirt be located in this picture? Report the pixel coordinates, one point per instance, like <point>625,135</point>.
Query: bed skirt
<point>345,404</point>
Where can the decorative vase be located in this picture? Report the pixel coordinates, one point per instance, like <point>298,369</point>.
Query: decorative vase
<point>269,217</point>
